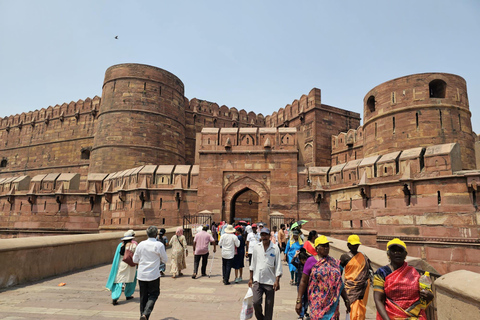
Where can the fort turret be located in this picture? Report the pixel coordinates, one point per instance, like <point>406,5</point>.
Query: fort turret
<point>141,119</point>
<point>418,110</point>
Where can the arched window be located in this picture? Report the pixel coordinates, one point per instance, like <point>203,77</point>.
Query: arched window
<point>3,163</point>
<point>371,103</point>
<point>437,88</point>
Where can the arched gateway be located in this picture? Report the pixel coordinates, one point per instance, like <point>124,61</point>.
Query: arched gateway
<point>246,198</point>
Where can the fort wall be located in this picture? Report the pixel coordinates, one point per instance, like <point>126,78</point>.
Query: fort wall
<point>52,139</point>
<point>316,122</point>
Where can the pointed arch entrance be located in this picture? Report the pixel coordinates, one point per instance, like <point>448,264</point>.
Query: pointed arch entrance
<point>244,205</point>
<point>237,197</point>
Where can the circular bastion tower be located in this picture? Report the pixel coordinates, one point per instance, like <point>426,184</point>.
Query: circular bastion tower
<point>141,119</point>
<point>419,110</point>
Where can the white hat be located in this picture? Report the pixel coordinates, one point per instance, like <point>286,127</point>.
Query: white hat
<point>229,229</point>
<point>130,234</point>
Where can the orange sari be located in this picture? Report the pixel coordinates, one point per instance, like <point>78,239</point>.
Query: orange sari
<point>357,282</point>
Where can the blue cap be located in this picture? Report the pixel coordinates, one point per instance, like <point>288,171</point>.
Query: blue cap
<point>265,230</point>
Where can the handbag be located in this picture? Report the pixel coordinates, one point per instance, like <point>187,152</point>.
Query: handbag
<point>128,258</point>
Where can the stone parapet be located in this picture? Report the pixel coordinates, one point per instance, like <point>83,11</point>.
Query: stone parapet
<point>458,295</point>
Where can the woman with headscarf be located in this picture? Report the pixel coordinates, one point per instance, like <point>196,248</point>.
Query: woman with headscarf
<point>322,277</point>
<point>121,273</point>
<point>293,245</point>
<point>179,252</point>
<point>396,288</point>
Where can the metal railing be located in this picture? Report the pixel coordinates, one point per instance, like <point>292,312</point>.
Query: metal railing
<point>191,222</point>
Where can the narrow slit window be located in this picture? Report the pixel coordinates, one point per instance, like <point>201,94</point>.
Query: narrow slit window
<point>439,197</point>
<point>416,120</point>
<point>393,123</point>
<point>385,200</point>
<point>441,119</point>
<point>459,122</point>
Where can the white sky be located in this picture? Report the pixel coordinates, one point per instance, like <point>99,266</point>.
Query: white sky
<point>252,55</point>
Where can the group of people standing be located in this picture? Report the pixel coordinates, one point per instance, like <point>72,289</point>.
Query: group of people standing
<point>317,275</point>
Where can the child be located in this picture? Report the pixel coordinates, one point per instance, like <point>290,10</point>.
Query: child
<point>298,261</point>
<point>163,239</point>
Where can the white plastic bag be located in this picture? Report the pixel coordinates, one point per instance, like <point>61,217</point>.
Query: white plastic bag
<point>247,306</point>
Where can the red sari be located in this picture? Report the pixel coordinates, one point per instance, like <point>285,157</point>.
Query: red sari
<point>402,292</point>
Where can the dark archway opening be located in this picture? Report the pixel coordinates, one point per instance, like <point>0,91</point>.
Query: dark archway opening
<point>437,88</point>
<point>371,103</point>
<point>244,205</point>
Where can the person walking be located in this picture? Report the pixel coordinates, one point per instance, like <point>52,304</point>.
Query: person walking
<point>397,293</point>
<point>239,258</point>
<point>265,273</point>
<point>148,255</point>
<point>282,238</point>
<point>357,278</point>
<point>250,242</point>
<point>228,242</point>
<point>163,239</point>
<point>122,273</point>
<point>179,252</point>
<point>200,250</point>
<point>293,245</point>
<point>322,279</point>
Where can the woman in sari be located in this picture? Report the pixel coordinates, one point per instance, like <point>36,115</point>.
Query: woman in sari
<point>310,243</point>
<point>322,277</point>
<point>396,289</point>
<point>179,252</point>
<point>293,245</point>
<point>121,273</point>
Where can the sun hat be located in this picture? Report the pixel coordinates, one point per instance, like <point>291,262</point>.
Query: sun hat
<point>260,224</point>
<point>265,230</point>
<point>130,234</point>
<point>397,242</point>
<point>354,239</point>
<point>254,225</point>
<point>321,240</point>
<point>229,229</point>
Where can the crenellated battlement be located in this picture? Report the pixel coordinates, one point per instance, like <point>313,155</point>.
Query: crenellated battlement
<point>212,109</point>
<point>295,109</point>
<point>58,112</point>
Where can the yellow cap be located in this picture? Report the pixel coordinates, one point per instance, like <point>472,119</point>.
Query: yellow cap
<point>321,240</point>
<point>397,242</point>
<point>354,239</point>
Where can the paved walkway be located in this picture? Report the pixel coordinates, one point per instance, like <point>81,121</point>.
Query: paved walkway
<point>84,297</point>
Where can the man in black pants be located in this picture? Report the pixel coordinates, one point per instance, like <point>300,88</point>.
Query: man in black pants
<point>149,254</point>
<point>200,249</point>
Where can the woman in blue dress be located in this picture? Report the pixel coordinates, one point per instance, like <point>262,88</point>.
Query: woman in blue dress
<point>294,244</point>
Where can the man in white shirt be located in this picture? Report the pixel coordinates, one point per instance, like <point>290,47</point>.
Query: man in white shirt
<point>251,241</point>
<point>265,273</point>
<point>228,242</point>
<point>149,254</point>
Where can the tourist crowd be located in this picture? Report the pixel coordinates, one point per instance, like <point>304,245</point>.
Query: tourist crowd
<point>320,279</point>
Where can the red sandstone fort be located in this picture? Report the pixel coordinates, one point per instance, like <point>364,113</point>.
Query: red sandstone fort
<point>144,154</point>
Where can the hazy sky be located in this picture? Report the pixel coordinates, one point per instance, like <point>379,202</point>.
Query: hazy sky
<point>253,55</point>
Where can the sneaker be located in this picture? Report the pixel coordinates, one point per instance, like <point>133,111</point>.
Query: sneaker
<point>240,279</point>
<point>114,302</point>
<point>130,298</point>
<point>300,318</point>
<point>236,280</point>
